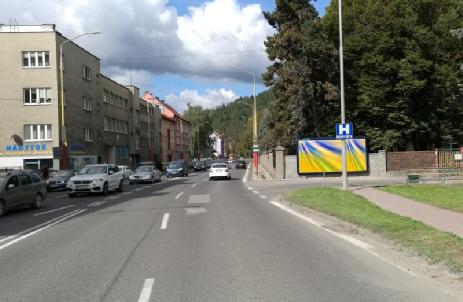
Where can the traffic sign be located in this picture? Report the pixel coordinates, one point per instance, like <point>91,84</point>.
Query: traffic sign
<point>344,131</point>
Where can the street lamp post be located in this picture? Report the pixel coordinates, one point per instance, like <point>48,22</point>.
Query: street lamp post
<point>255,146</point>
<point>64,142</point>
<point>343,110</point>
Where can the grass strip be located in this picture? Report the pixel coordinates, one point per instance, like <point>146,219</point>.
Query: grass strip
<point>446,197</point>
<point>435,245</point>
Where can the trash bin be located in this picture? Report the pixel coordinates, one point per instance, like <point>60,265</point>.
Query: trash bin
<point>413,179</point>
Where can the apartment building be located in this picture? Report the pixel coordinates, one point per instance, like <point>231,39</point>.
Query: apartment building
<point>174,130</point>
<point>98,111</point>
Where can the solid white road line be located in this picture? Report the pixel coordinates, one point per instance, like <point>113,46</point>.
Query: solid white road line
<point>145,294</point>
<point>35,227</point>
<point>165,220</point>
<point>354,241</point>
<point>54,210</point>
<point>74,213</point>
<point>7,238</point>
<point>245,177</point>
<point>194,185</point>
<point>178,195</point>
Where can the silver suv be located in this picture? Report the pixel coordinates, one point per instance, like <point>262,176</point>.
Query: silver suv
<point>21,188</point>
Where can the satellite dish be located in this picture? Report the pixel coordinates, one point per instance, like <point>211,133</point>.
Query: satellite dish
<point>17,139</point>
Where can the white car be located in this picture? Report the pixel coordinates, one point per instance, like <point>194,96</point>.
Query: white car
<point>96,179</point>
<point>219,170</point>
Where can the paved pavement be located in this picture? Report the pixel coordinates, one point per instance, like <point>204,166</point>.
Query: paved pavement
<point>188,239</point>
<point>441,219</point>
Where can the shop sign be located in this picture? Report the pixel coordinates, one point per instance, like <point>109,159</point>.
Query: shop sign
<point>27,149</point>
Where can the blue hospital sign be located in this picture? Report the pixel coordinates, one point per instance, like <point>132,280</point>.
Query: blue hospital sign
<point>344,131</point>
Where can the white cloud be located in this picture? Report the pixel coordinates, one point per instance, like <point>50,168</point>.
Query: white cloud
<point>212,98</point>
<point>149,37</point>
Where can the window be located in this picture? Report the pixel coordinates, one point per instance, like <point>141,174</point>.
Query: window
<point>106,123</point>
<point>126,102</point>
<point>86,72</point>
<point>33,59</point>
<point>105,96</point>
<point>25,180</point>
<point>35,178</point>
<point>88,133</point>
<point>37,96</point>
<point>37,132</point>
<point>13,182</point>
<point>137,142</point>
<point>87,103</point>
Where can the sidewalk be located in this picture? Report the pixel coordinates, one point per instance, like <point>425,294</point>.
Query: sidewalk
<point>441,219</point>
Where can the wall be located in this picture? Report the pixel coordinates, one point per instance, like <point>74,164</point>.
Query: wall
<point>266,162</point>
<point>376,166</point>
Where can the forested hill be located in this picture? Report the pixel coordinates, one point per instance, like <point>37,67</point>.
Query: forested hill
<point>233,120</point>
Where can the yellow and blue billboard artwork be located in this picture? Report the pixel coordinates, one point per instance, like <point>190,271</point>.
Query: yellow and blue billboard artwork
<point>324,155</point>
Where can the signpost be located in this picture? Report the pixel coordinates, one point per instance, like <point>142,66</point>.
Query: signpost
<point>344,131</point>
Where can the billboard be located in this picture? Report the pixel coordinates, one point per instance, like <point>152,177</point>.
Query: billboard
<point>324,155</point>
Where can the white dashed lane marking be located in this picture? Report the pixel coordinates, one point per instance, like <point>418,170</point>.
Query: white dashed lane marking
<point>165,220</point>
<point>145,294</point>
<point>178,195</point>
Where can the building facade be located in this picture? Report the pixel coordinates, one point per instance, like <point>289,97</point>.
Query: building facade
<point>174,131</point>
<point>98,112</point>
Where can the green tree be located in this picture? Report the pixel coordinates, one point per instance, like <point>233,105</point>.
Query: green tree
<point>300,74</point>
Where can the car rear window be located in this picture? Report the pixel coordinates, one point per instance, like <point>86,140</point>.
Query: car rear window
<point>219,166</point>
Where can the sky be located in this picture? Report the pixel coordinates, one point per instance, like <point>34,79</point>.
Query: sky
<point>180,50</point>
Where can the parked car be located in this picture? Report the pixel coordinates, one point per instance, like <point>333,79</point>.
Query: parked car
<point>126,172</point>
<point>208,164</point>
<point>59,180</point>
<point>145,174</point>
<point>177,168</point>
<point>21,188</point>
<point>96,179</point>
<point>219,170</point>
<point>240,164</point>
<point>199,165</point>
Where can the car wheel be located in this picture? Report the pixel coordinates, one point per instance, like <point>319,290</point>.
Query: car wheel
<point>105,189</point>
<point>38,201</point>
<point>72,195</point>
<point>130,182</point>
<point>121,186</point>
<point>2,208</point>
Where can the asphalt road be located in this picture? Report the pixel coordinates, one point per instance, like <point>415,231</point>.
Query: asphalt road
<point>187,239</point>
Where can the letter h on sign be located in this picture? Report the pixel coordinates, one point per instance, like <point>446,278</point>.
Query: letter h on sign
<point>344,131</point>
